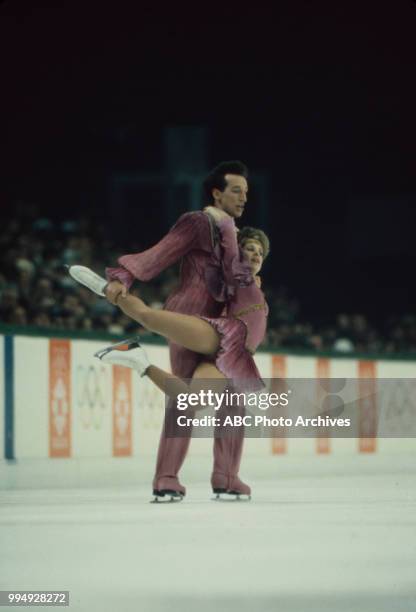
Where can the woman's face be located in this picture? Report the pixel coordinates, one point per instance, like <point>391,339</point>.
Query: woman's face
<point>254,253</point>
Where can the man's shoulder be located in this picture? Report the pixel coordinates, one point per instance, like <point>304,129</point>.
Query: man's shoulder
<point>194,214</point>
<point>197,223</point>
<point>196,218</point>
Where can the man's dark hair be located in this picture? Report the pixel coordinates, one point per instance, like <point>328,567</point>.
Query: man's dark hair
<point>216,178</point>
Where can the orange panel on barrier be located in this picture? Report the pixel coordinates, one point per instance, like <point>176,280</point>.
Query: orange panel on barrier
<point>59,398</point>
<point>122,412</point>
<point>368,407</point>
<point>323,445</point>
<point>279,443</point>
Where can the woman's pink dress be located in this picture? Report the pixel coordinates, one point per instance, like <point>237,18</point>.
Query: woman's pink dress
<point>243,327</point>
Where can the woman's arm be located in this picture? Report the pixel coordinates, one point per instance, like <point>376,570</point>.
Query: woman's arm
<point>236,271</point>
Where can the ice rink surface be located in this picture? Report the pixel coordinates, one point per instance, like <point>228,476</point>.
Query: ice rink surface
<point>321,534</point>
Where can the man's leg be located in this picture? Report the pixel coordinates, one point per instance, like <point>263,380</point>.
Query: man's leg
<point>228,449</point>
<point>172,450</point>
<point>174,440</point>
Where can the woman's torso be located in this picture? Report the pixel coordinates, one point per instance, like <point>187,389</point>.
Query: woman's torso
<point>250,306</point>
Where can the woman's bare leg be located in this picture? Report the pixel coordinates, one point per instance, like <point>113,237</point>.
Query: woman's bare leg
<point>190,332</point>
<point>206,377</point>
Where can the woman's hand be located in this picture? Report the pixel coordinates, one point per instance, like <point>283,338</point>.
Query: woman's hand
<point>216,213</point>
<point>114,290</point>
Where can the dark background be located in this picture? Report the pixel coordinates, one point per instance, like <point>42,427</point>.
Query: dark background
<point>317,97</point>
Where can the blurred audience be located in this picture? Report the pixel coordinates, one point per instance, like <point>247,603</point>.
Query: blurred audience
<point>36,290</point>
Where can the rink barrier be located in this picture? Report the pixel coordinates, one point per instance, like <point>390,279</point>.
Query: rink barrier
<point>60,402</point>
<point>279,371</point>
<point>323,441</point>
<point>8,397</point>
<point>367,370</point>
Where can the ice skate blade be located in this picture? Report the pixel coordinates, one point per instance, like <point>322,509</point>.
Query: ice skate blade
<point>231,496</point>
<point>166,496</point>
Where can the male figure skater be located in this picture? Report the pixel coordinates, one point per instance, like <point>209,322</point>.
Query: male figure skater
<point>192,238</point>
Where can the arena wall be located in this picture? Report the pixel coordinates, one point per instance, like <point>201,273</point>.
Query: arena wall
<point>64,403</point>
<point>2,400</point>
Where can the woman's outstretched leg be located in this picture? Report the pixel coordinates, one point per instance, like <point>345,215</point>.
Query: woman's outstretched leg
<point>188,331</point>
<point>206,377</point>
<point>130,354</point>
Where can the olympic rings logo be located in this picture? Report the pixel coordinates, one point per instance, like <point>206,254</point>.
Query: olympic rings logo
<point>400,408</point>
<point>151,404</point>
<point>92,393</point>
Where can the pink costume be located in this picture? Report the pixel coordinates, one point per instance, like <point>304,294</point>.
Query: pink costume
<point>210,273</point>
<point>241,330</point>
<point>244,325</point>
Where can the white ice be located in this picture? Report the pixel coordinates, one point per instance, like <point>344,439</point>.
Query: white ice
<point>321,534</point>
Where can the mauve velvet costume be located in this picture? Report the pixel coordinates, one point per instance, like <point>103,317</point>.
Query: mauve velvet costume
<point>213,271</point>
<point>243,326</point>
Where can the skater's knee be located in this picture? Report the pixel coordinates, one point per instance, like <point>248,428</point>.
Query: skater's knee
<point>209,371</point>
<point>208,347</point>
<point>210,343</point>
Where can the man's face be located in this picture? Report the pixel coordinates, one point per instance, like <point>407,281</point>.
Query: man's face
<point>234,197</point>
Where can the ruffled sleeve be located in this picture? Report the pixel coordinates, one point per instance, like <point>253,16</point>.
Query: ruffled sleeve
<point>191,231</point>
<point>229,270</point>
<point>121,274</point>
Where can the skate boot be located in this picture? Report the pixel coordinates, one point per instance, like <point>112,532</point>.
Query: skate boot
<point>128,353</point>
<point>88,278</point>
<point>239,488</point>
<point>168,487</point>
<point>229,488</point>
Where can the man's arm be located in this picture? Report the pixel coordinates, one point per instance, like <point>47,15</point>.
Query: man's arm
<point>190,232</point>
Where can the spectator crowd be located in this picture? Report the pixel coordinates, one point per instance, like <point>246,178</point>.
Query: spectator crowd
<point>36,290</point>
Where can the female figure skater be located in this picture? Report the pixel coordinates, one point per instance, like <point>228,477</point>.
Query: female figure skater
<point>226,344</point>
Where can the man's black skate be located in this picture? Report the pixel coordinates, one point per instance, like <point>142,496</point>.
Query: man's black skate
<point>171,496</point>
<point>229,495</point>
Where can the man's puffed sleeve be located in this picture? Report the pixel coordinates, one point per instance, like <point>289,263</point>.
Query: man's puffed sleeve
<point>232,270</point>
<point>190,232</point>
<point>235,267</point>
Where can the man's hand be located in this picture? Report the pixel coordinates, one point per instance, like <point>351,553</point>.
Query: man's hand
<point>114,290</point>
<point>216,213</point>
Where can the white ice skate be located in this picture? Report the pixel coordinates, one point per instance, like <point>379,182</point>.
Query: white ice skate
<point>88,278</point>
<point>128,354</point>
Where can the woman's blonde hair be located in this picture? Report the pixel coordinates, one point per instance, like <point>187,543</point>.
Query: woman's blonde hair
<point>251,233</point>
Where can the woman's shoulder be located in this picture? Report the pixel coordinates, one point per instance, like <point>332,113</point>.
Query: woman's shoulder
<point>252,292</point>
